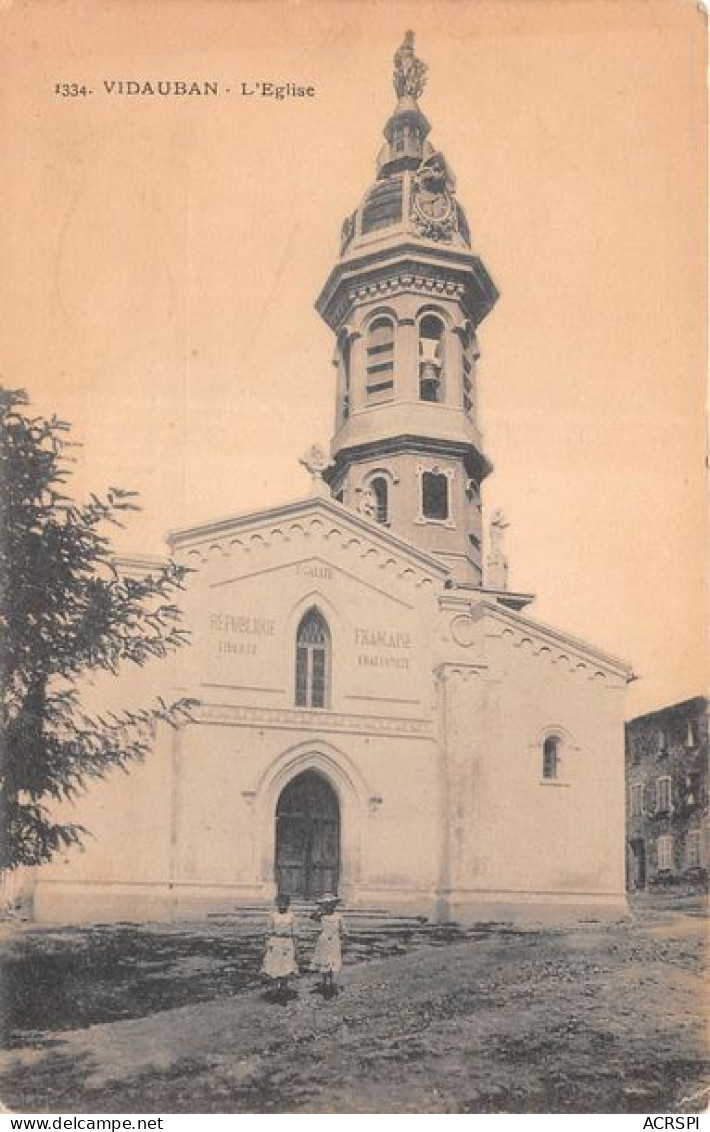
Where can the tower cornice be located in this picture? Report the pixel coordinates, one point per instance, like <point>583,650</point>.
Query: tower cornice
<point>407,265</point>
<point>476,463</point>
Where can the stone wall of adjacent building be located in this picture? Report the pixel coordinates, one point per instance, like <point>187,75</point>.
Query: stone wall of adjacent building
<point>666,797</point>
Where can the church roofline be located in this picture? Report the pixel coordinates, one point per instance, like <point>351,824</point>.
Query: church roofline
<point>204,531</point>
<point>567,640</point>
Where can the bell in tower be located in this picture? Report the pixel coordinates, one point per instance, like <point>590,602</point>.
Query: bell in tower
<point>404,301</point>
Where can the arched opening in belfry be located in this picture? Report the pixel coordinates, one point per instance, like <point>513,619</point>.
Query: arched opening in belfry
<point>431,362</point>
<point>308,837</point>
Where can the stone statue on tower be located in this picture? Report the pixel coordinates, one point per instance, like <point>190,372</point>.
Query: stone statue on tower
<point>496,562</point>
<point>409,72</point>
<point>315,461</point>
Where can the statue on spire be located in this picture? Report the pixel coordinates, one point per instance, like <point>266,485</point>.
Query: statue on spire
<point>409,72</point>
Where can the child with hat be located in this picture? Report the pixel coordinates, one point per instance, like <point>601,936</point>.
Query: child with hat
<point>280,957</point>
<point>328,955</point>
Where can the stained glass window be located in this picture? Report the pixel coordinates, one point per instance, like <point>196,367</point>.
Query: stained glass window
<point>312,661</point>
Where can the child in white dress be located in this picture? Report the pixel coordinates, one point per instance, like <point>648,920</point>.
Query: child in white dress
<point>328,955</point>
<point>280,956</point>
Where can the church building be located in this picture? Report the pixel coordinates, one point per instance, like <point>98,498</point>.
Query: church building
<point>377,714</point>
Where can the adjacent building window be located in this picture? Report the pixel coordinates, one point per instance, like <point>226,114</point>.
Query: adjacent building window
<point>662,742</point>
<point>692,848</point>
<point>431,360</point>
<point>312,661</point>
<point>380,359</point>
<point>691,793</point>
<point>663,795</point>
<point>435,495</point>
<point>665,852</point>
<point>551,758</point>
<point>636,800</point>
<point>378,487</point>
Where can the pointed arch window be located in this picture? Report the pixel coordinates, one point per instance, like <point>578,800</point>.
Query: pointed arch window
<point>431,359</point>
<point>313,653</point>
<point>379,489</point>
<point>380,359</point>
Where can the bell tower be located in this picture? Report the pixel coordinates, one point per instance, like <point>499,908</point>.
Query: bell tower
<point>404,301</point>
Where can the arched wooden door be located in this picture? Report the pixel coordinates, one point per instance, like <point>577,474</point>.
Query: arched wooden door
<point>307,837</point>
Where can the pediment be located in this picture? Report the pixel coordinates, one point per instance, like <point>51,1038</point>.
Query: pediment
<point>256,576</point>
<point>316,531</point>
<point>314,571</point>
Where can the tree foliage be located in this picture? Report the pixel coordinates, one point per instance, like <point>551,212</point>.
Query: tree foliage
<point>66,610</point>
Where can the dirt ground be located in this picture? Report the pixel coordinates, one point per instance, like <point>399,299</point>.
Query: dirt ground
<point>590,1018</point>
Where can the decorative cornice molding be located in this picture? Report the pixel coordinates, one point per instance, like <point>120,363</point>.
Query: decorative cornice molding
<point>404,253</point>
<point>433,282</point>
<point>316,517</point>
<point>470,450</point>
<point>543,640</point>
<point>304,719</point>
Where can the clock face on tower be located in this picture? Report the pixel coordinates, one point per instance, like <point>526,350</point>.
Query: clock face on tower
<point>436,206</point>
<point>433,206</point>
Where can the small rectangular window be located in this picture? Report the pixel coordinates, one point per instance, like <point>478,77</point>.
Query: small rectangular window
<point>435,495</point>
<point>692,848</point>
<point>636,805</point>
<point>663,795</point>
<point>665,852</point>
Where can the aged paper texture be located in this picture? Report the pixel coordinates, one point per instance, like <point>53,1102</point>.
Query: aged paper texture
<point>385,361</point>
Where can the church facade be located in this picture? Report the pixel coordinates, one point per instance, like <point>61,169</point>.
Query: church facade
<point>377,714</point>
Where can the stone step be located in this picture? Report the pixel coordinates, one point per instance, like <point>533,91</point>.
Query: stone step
<point>376,918</point>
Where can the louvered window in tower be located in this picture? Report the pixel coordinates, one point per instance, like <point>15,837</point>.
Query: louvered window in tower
<point>380,360</point>
<point>312,661</point>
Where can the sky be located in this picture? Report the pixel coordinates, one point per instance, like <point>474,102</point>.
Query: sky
<point>161,258</point>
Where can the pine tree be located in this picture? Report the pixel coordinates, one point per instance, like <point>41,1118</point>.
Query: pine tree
<point>65,610</point>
